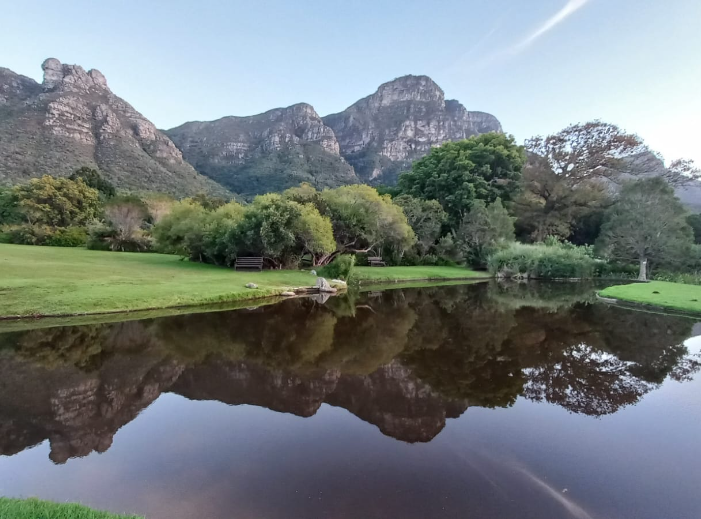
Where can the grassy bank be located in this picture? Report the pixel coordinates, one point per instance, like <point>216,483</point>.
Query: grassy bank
<point>36,509</point>
<point>675,296</point>
<point>389,274</point>
<point>65,281</point>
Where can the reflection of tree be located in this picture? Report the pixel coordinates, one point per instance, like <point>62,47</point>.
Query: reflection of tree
<point>483,343</point>
<point>594,359</point>
<point>458,348</point>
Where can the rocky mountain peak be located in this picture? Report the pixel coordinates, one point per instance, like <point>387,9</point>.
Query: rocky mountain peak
<point>71,78</point>
<point>266,152</point>
<point>382,134</point>
<point>72,120</point>
<point>408,88</point>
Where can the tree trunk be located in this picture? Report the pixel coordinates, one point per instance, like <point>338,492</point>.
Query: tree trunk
<point>643,270</point>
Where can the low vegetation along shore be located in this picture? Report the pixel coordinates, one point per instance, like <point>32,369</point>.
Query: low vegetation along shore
<point>45,281</point>
<point>35,508</point>
<point>675,296</point>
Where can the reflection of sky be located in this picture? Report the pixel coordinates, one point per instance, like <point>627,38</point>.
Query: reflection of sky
<point>184,458</point>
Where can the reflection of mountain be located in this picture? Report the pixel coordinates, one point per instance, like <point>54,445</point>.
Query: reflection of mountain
<point>390,398</point>
<point>405,362</point>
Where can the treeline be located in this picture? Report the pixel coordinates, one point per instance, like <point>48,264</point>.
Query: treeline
<point>587,201</point>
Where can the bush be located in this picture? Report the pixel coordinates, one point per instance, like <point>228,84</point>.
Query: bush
<point>67,237</point>
<point>45,235</point>
<point>99,236</point>
<point>542,262</point>
<point>339,268</point>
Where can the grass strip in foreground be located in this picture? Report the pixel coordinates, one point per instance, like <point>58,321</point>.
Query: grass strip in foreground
<point>662,294</point>
<point>35,509</point>
<point>55,281</point>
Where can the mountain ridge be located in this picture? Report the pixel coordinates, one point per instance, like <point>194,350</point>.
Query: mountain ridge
<point>72,119</point>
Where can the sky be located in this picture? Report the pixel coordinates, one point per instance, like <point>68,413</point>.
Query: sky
<point>538,65</point>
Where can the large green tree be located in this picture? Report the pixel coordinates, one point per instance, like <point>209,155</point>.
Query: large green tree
<point>455,174</point>
<point>647,223</point>
<point>57,202</point>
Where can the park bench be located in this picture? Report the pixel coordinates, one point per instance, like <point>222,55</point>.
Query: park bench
<point>248,263</point>
<point>376,261</point>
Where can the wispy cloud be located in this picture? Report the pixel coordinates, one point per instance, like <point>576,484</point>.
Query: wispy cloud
<point>571,7</point>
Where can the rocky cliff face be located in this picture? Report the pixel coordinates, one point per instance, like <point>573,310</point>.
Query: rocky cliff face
<point>266,152</point>
<point>73,119</point>
<point>383,133</point>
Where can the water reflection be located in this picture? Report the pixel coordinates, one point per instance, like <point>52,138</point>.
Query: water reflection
<point>403,360</point>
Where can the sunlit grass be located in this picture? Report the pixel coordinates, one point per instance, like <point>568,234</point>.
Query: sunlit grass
<point>659,293</point>
<point>37,509</point>
<point>69,281</point>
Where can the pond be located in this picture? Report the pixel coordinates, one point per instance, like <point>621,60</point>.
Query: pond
<point>525,401</point>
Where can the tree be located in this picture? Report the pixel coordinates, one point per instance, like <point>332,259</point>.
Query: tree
<point>57,202</point>
<point>567,176</point>
<point>647,223</point>
<point>181,231</point>
<point>582,152</point>
<point>210,203</point>
<point>159,205</point>
<point>363,220</point>
<point>694,221</point>
<point>93,179</point>
<point>553,204</point>
<point>281,230</point>
<point>426,218</point>
<point>455,174</point>
<point>314,233</point>
<point>484,230</point>
<point>9,206</point>
<point>126,215</point>
<point>217,225</point>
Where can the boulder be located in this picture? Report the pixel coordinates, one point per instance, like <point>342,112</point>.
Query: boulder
<point>324,286</point>
<point>251,285</point>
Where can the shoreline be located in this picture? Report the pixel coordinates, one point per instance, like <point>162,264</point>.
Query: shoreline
<point>240,302</point>
<point>655,296</point>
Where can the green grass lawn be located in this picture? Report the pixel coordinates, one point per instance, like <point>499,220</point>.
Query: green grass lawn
<point>65,281</point>
<point>659,293</point>
<point>36,509</point>
<point>379,274</point>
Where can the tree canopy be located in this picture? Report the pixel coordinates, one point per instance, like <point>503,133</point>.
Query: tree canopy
<point>455,174</point>
<point>58,202</point>
<point>93,179</point>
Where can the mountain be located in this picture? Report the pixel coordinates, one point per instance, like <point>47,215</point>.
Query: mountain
<point>381,134</point>
<point>647,164</point>
<point>267,152</point>
<point>72,119</point>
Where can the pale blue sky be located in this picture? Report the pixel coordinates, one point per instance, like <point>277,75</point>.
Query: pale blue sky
<point>537,65</point>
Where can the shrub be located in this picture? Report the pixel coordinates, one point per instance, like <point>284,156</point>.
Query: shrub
<point>340,268</point>
<point>99,236</point>
<point>67,237</point>
<point>45,235</point>
<point>542,262</point>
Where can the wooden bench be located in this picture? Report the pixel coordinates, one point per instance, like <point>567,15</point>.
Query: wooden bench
<point>248,263</point>
<point>376,261</point>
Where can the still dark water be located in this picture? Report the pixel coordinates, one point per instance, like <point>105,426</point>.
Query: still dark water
<point>455,402</point>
